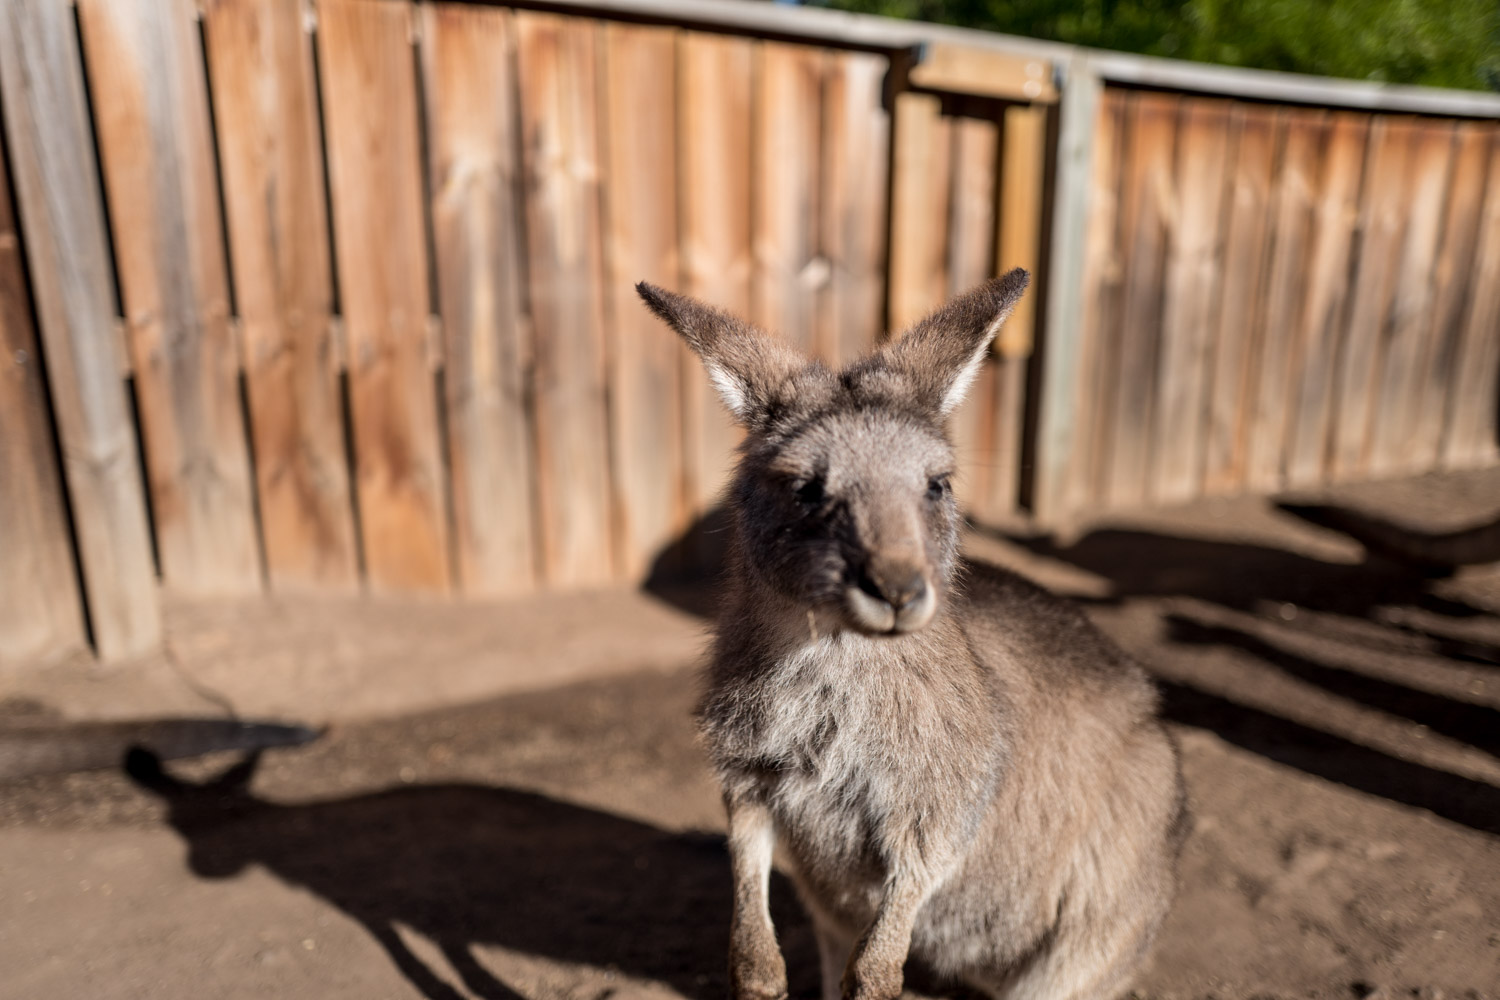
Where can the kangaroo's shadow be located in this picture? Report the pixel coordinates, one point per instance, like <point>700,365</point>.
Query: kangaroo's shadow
<point>464,865</point>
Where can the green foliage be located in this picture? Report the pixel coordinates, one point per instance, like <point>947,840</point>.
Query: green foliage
<point>1441,43</point>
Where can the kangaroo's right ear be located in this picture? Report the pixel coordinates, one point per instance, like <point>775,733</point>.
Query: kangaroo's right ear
<point>750,370</point>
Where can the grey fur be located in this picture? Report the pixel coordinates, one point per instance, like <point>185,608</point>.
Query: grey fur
<point>956,764</point>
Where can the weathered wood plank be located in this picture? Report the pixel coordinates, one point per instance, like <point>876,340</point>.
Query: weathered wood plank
<point>265,111</point>
<point>856,156</point>
<point>1194,271</point>
<point>971,259</point>
<point>919,210</point>
<point>964,69</point>
<point>1473,434</point>
<point>51,154</point>
<point>1452,276</point>
<point>1382,221</point>
<point>641,244</point>
<point>41,614</point>
<point>1316,336</point>
<point>151,115</point>
<point>1254,137</point>
<point>374,158</point>
<point>1296,183</point>
<point>469,66</point>
<point>558,67</point>
<point>1147,202</point>
<point>1408,326</point>
<point>1083,481</point>
<point>786,144</point>
<point>715,98</point>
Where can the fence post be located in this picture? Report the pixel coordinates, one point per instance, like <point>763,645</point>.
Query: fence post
<point>1058,430</point>
<point>41,85</point>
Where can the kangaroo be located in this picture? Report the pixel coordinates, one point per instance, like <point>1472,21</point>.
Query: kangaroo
<point>956,764</point>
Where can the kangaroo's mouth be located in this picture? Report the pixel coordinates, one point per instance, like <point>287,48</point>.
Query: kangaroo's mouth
<point>874,615</point>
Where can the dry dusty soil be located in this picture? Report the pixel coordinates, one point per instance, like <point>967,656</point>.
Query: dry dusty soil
<point>1338,718</point>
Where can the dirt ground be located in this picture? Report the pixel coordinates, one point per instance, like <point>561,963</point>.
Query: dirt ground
<point>509,801</point>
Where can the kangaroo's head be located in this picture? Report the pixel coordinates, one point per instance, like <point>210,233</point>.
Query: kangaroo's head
<point>843,499</point>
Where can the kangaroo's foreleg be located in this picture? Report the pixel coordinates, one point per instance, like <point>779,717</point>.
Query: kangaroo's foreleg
<point>756,968</point>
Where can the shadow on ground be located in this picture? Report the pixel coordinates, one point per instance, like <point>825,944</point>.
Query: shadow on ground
<point>469,865</point>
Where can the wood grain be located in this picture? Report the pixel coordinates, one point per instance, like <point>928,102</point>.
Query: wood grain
<point>42,614</point>
<point>856,156</point>
<point>1305,133</point>
<point>920,209</point>
<point>970,224</point>
<point>266,115</point>
<point>641,244</point>
<point>1453,274</point>
<point>1382,221</point>
<point>1254,136</point>
<point>1148,199</point>
<point>558,69</point>
<point>714,94</point>
<point>790,273</point>
<point>1194,272</point>
<point>469,67</point>
<point>374,158</point>
<point>1473,434</point>
<point>51,155</point>
<point>1316,338</point>
<point>1408,328</point>
<point>150,101</point>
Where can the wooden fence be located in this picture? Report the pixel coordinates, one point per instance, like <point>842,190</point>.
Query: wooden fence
<point>337,295</point>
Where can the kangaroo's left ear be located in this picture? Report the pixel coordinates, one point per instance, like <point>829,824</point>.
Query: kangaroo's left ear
<point>751,371</point>
<point>940,356</point>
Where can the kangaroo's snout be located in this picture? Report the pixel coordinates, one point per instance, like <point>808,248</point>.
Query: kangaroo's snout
<point>891,596</point>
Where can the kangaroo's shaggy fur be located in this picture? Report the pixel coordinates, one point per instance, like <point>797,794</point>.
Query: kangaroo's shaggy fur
<point>956,764</point>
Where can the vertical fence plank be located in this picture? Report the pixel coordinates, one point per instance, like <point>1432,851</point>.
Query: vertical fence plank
<point>1081,481</point>
<point>558,63</point>
<point>970,220</point>
<point>1407,328</point>
<point>1241,300</point>
<point>1194,269</point>
<point>41,614</point>
<point>265,110</point>
<point>919,210</point>
<point>1296,182</point>
<point>1473,435</point>
<point>856,154</point>
<point>1316,336</point>
<point>151,114</point>
<point>1018,244</point>
<point>468,63</point>
<point>789,273</point>
<point>714,94</point>
<point>369,87</point>
<point>1453,273</point>
<point>46,120</point>
<point>641,243</point>
<point>1382,221</point>
<point>1147,201</point>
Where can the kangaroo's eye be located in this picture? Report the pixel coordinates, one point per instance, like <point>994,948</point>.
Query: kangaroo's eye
<point>936,487</point>
<point>810,492</point>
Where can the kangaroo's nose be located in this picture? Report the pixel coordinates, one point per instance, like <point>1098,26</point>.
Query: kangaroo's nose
<point>898,586</point>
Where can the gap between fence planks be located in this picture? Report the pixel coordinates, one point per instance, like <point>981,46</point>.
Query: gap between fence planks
<point>150,102</point>
<point>558,66</point>
<point>469,66</point>
<point>50,147</point>
<point>270,150</point>
<point>369,92</point>
<point>41,614</point>
<point>641,244</point>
